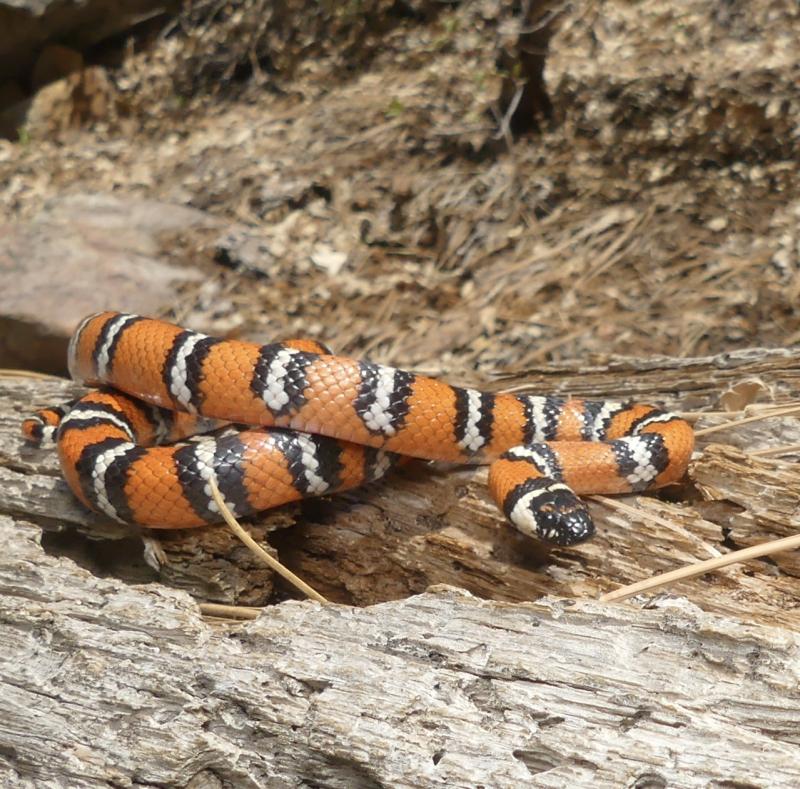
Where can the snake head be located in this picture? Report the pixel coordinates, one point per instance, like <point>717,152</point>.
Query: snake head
<point>549,510</point>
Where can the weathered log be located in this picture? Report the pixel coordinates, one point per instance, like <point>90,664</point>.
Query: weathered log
<point>103,683</point>
<point>425,526</point>
<point>439,689</point>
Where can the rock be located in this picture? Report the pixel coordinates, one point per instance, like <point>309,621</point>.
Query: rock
<point>82,254</point>
<point>78,100</point>
<point>243,249</point>
<point>328,259</point>
<point>26,26</point>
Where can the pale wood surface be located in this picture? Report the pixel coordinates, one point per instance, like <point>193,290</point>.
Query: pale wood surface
<point>105,678</point>
<point>103,683</point>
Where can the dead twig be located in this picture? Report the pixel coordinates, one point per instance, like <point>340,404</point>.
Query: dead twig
<point>693,570</point>
<point>284,572</point>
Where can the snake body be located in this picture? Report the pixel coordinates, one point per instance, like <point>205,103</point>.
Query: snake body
<point>319,423</point>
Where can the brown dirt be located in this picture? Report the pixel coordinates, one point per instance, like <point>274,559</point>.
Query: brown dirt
<point>657,215</point>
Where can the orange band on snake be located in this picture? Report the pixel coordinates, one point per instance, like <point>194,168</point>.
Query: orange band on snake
<point>323,423</point>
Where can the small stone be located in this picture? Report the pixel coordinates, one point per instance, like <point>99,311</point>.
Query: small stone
<point>717,224</point>
<point>328,259</point>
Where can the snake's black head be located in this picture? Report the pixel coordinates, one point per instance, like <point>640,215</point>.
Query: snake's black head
<point>549,510</point>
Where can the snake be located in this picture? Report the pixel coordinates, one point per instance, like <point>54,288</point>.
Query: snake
<point>171,409</point>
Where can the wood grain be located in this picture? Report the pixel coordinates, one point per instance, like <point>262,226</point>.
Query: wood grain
<point>123,681</point>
